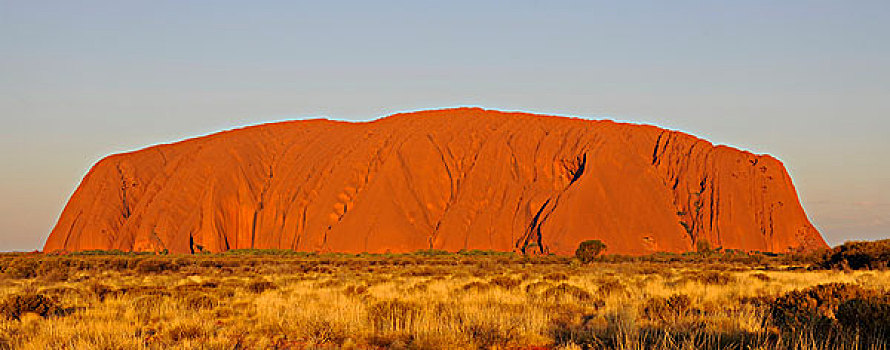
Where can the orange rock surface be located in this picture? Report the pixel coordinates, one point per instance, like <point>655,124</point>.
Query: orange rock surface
<point>446,179</point>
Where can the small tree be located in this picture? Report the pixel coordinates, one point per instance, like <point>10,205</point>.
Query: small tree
<point>703,246</point>
<point>588,250</point>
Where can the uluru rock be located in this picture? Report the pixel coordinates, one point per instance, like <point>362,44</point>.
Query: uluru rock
<point>446,179</point>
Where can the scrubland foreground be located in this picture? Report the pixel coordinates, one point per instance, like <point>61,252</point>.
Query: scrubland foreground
<point>434,300</point>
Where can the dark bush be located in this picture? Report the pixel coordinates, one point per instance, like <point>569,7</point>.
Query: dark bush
<point>858,256</point>
<point>869,317</point>
<point>22,268</point>
<point>815,307</point>
<point>16,305</point>
<point>835,314</point>
<point>588,250</point>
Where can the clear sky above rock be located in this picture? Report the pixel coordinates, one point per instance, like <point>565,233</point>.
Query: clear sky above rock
<point>806,81</point>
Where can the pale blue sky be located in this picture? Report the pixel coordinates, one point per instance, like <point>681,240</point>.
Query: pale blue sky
<point>806,81</point>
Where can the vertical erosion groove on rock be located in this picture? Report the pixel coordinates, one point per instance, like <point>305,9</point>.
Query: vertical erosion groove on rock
<point>450,179</point>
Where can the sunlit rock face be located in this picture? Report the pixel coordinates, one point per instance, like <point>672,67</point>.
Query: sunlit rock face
<point>445,179</point>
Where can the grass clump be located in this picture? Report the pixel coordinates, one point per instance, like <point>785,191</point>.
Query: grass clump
<point>258,287</point>
<point>667,309</point>
<point>393,315</point>
<point>505,282</point>
<point>565,291</point>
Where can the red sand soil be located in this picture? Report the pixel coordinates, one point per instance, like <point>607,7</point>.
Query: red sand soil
<point>446,179</point>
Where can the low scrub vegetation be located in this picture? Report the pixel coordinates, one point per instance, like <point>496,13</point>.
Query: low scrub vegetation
<point>858,256</point>
<point>246,299</point>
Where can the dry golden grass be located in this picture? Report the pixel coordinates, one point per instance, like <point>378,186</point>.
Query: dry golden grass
<point>416,302</point>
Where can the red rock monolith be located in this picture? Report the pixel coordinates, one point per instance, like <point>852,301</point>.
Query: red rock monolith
<point>451,179</point>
